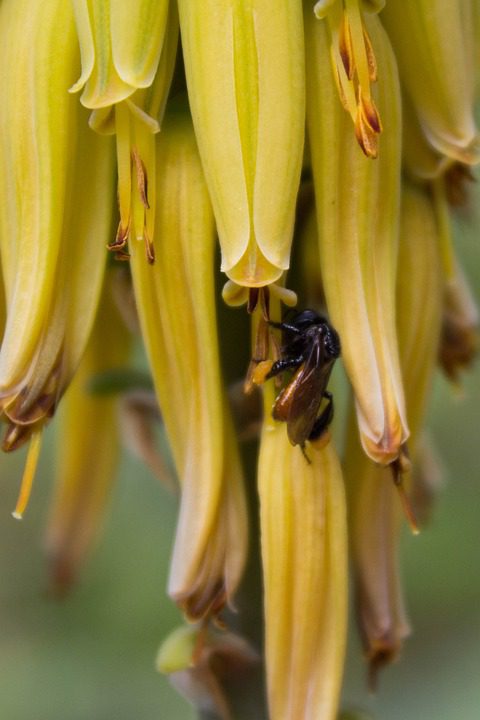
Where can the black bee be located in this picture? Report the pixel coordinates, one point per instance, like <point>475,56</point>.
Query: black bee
<point>310,347</point>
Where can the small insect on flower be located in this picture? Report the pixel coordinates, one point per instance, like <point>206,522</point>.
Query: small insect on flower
<point>310,347</point>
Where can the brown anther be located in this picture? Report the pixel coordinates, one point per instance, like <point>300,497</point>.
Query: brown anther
<point>345,47</point>
<point>120,238</point>
<point>340,88</point>
<point>265,302</point>
<point>371,60</point>
<point>369,112</point>
<point>261,351</point>
<point>366,137</point>
<point>142,179</point>
<point>149,249</point>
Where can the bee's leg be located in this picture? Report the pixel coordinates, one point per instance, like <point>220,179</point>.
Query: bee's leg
<point>324,419</point>
<point>304,453</point>
<point>285,364</point>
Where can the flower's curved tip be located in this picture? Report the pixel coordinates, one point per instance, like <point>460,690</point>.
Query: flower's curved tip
<point>466,153</point>
<point>322,7</point>
<point>17,515</point>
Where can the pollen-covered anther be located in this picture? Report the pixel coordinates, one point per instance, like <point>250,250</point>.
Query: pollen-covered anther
<point>369,112</point>
<point>142,180</point>
<point>367,126</point>
<point>149,248</point>
<point>371,59</point>
<point>121,237</point>
<point>354,69</point>
<point>366,138</point>
<point>345,48</point>
<point>399,468</point>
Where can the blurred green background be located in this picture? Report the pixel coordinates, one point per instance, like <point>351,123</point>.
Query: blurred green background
<point>91,656</point>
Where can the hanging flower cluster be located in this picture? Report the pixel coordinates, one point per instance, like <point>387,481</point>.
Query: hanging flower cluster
<point>140,132</point>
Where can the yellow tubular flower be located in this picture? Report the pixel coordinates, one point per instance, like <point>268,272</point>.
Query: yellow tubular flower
<point>244,63</point>
<point>56,218</point>
<point>357,209</point>
<point>375,516</point>
<point>128,55</point>
<point>304,553</point>
<point>121,43</point>
<point>176,307</point>
<point>433,42</point>
<point>87,450</point>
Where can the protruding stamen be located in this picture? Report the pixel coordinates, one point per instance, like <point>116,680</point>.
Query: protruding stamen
<point>371,60</point>
<point>355,68</point>
<point>28,475</point>
<point>142,180</point>
<point>442,213</point>
<point>149,248</point>
<point>252,302</point>
<point>345,47</point>
<point>367,126</point>
<point>260,356</point>
<point>120,238</point>
<point>397,472</point>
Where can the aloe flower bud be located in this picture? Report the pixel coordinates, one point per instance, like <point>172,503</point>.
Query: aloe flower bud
<point>460,327</point>
<point>302,514</point>
<point>199,661</point>
<point>120,49</point>
<point>433,43</point>
<point>244,64</point>
<point>177,314</point>
<point>54,230</point>
<point>357,210</point>
<point>87,451</point>
<point>375,517</point>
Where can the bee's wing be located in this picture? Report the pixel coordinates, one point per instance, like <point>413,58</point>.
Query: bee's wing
<point>310,384</point>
